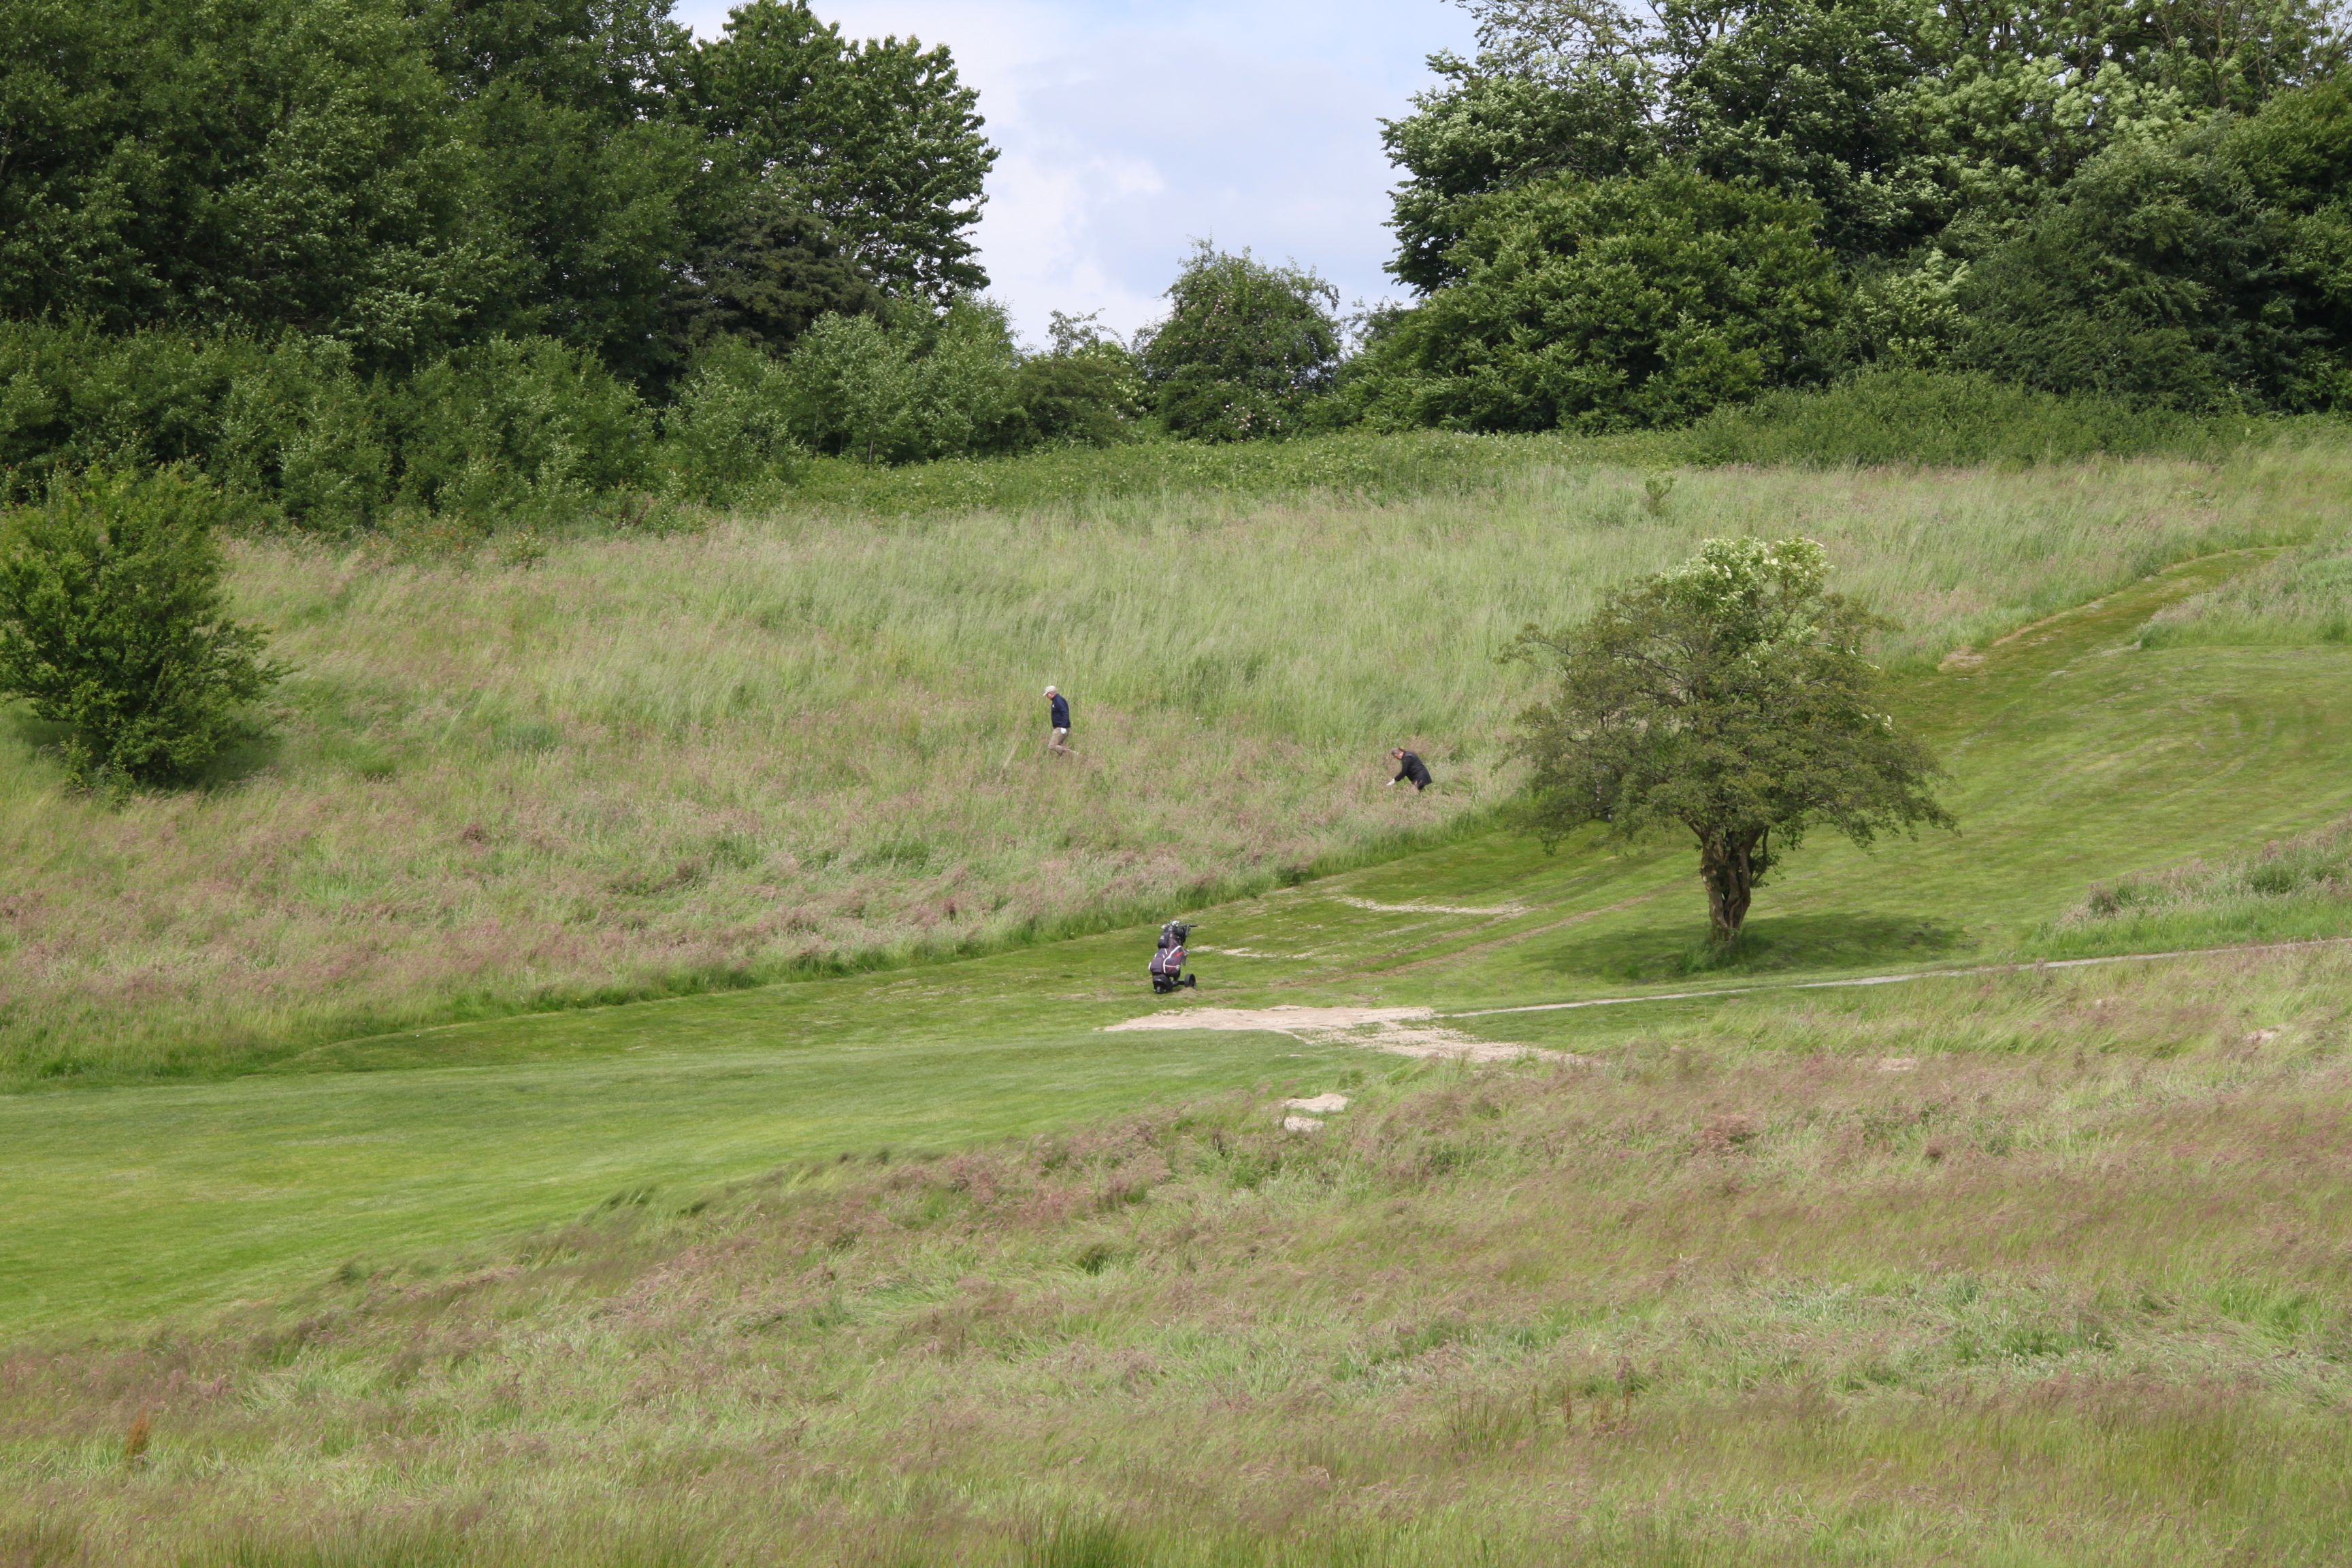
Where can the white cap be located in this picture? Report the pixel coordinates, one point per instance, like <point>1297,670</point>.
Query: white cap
<point>1049,691</point>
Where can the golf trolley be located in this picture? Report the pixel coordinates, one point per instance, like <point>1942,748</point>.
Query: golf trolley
<point>1168,963</point>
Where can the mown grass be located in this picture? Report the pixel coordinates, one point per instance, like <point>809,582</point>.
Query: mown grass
<point>1813,1278</point>
<point>811,741</point>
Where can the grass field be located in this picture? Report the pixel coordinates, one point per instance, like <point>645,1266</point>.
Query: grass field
<point>2000,1267</point>
<point>138,1199</point>
<point>654,766</point>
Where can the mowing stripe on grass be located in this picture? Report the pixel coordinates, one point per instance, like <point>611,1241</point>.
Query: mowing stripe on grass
<point>1899,979</point>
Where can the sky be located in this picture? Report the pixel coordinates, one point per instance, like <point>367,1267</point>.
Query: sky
<point>1128,131</point>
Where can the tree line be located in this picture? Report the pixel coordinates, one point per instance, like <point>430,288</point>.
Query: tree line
<point>487,260</point>
<point>1618,219</point>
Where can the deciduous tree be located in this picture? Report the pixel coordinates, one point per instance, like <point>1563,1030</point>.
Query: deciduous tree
<point>1729,697</point>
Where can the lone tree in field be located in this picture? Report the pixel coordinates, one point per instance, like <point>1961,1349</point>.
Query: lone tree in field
<point>1730,695</point>
<point>114,623</point>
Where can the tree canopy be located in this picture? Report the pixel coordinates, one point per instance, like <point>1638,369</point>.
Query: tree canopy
<point>406,177</point>
<point>2119,196</point>
<point>1245,349</point>
<point>1729,697</point>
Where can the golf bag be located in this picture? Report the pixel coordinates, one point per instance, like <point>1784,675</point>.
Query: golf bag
<point>1168,963</point>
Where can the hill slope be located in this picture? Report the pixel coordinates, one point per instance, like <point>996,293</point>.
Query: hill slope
<point>646,766</point>
<point>129,1201</point>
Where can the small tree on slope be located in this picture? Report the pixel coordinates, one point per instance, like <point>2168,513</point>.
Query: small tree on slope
<point>114,623</point>
<point>1732,696</point>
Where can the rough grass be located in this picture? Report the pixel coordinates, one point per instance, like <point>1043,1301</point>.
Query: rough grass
<point>2304,595</point>
<point>1784,1283</point>
<point>1936,419</point>
<point>639,766</point>
<point>2295,886</point>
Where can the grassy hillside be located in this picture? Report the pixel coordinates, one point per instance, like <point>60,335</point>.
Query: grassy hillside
<point>639,766</point>
<point>127,1202</point>
<point>2001,1264</point>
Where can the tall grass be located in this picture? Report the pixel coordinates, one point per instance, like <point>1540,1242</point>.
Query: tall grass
<point>1937,419</point>
<point>1891,418</point>
<point>2049,1269</point>
<point>2305,595</point>
<point>2290,889</point>
<point>636,765</point>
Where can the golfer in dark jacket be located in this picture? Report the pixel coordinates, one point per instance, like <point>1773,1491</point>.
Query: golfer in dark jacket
<point>1060,719</point>
<point>1409,767</point>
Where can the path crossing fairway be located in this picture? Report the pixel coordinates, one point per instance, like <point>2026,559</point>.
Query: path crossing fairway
<point>2075,755</point>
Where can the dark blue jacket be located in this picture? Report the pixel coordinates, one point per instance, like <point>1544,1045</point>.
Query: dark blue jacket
<point>1061,711</point>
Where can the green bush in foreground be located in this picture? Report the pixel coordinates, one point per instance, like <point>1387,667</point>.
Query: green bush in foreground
<point>112,622</point>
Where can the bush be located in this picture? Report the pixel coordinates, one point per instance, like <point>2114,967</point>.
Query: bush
<point>72,396</point>
<point>913,386</point>
<point>731,428</point>
<point>518,428</point>
<point>1611,304</point>
<point>1087,391</point>
<point>112,624</point>
<point>2148,277</point>
<point>300,425</point>
<point>1246,351</point>
<point>521,426</point>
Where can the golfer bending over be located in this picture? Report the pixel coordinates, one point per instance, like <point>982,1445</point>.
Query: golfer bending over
<point>1409,767</point>
<point>1060,719</point>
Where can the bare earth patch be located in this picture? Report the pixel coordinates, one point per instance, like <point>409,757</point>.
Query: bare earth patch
<point>1400,1031</point>
<point>1422,909</point>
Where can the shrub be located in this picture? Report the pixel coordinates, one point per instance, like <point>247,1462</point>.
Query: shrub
<point>518,428</point>
<point>731,427</point>
<point>2147,277</point>
<point>1612,304</point>
<point>301,425</point>
<point>72,396</point>
<point>1086,390</point>
<point>112,624</point>
<point>1246,350</point>
<point>916,385</point>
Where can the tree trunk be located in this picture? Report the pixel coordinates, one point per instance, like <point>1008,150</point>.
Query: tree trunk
<point>1729,863</point>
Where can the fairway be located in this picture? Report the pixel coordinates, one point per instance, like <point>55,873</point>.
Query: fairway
<point>2076,756</point>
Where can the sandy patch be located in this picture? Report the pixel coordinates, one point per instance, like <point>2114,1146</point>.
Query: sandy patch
<point>1321,1105</point>
<point>1400,1031</point>
<point>1418,909</point>
<point>1253,953</point>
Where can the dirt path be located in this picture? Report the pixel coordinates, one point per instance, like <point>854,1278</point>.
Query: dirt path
<point>1400,1031</point>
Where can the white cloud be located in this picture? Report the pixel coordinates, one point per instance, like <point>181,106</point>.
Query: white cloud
<point>1128,130</point>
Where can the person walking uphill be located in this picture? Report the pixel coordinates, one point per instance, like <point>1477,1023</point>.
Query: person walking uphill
<point>1060,717</point>
<point>1409,767</point>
